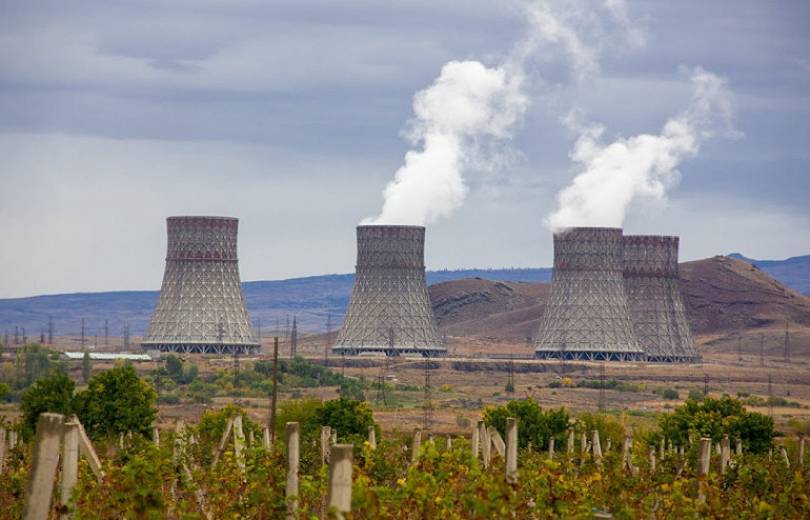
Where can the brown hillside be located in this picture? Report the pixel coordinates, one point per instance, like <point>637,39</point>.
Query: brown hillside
<point>721,295</point>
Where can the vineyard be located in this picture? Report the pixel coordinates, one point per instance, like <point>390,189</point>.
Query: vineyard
<point>538,464</point>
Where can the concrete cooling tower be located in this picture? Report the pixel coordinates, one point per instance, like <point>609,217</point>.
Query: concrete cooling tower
<point>587,316</point>
<point>389,310</point>
<point>654,298</point>
<point>201,307</point>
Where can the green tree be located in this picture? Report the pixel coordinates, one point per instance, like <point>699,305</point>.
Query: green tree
<point>348,416</point>
<point>714,418</point>
<point>535,425</point>
<point>34,361</point>
<point>116,401</point>
<point>174,367</point>
<point>87,367</point>
<point>52,393</point>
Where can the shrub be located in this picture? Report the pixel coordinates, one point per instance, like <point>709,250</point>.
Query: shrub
<point>116,401</point>
<point>715,418</point>
<point>535,425</point>
<point>52,393</point>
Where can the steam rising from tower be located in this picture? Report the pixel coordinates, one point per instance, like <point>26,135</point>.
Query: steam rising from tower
<point>389,310</point>
<point>201,307</point>
<point>654,296</point>
<point>587,317</point>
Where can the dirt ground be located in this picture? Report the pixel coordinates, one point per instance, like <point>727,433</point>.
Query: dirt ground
<point>458,396</point>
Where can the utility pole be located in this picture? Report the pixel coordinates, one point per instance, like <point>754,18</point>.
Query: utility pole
<point>82,338</point>
<point>384,368</point>
<point>602,397</point>
<point>328,339</point>
<point>705,384</point>
<point>787,340</point>
<point>274,397</point>
<point>427,417</point>
<point>259,332</point>
<point>16,335</point>
<point>510,380</point>
<point>294,339</point>
<point>50,330</point>
<point>25,336</point>
<point>106,333</point>
<point>770,397</point>
<point>739,347</point>
<point>42,336</point>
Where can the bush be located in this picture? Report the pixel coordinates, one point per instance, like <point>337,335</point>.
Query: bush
<point>535,425</point>
<point>168,399</point>
<point>52,393</point>
<point>717,417</point>
<point>117,401</point>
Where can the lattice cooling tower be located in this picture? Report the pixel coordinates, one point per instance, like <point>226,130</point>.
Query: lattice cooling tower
<point>587,316</point>
<point>201,307</point>
<point>389,310</point>
<point>654,298</point>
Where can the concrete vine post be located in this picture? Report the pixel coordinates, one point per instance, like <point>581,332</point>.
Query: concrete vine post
<point>416,445</point>
<point>325,434</point>
<point>739,446</point>
<point>570,447</point>
<point>511,449</point>
<point>42,478</point>
<point>372,437</point>
<point>801,452</point>
<point>239,442</point>
<point>725,454</point>
<point>596,446</point>
<point>705,456</point>
<point>70,461</point>
<point>340,479</point>
<point>497,441</point>
<point>551,448</point>
<point>486,445</point>
<point>474,442</point>
<point>293,457</point>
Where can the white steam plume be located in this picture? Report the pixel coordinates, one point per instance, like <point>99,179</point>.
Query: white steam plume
<point>643,166</point>
<point>470,104</point>
<point>468,101</point>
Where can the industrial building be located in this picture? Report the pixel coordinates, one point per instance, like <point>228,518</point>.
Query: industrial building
<point>201,308</point>
<point>389,310</point>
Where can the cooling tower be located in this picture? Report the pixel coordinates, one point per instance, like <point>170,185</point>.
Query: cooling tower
<point>201,307</point>
<point>654,298</point>
<point>389,310</point>
<point>587,316</point>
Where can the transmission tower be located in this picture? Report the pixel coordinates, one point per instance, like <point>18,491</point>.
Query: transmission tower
<point>50,330</point>
<point>427,418</point>
<point>126,336</point>
<point>510,381</point>
<point>602,397</point>
<point>294,338</point>
<point>787,341</point>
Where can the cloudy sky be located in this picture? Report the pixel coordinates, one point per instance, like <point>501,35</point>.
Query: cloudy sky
<point>292,115</point>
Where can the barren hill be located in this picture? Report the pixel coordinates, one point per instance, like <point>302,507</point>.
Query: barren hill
<point>721,295</point>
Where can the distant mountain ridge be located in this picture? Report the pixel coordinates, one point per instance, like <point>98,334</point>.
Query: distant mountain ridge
<point>793,272</point>
<point>311,299</point>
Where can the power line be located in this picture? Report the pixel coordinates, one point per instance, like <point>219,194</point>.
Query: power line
<point>602,397</point>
